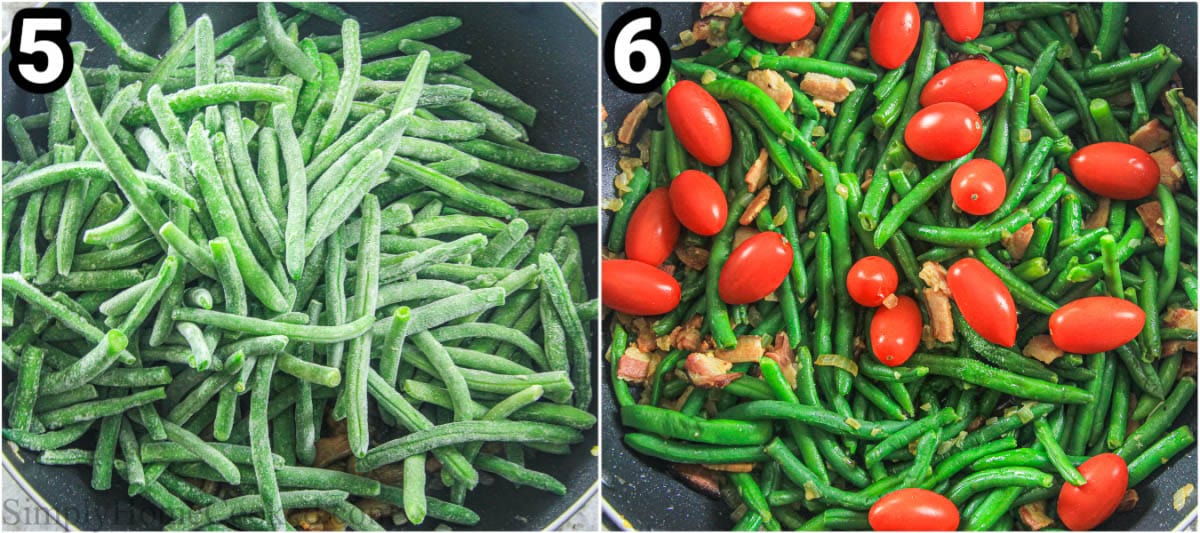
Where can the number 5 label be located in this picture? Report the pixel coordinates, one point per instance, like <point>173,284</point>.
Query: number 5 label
<point>634,36</point>
<point>41,57</point>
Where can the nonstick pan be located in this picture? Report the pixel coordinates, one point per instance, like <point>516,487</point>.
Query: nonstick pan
<point>639,492</point>
<point>544,53</point>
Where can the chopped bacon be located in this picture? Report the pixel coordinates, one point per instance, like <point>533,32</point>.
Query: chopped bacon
<point>749,349</point>
<point>389,474</point>
<point>688,336</point>
<point>782,346</point>
<point>634,119</point>
<point>937,301</point>
<point>1178,317</point>
<point>1034,515</point>
<point>1187,367</point>
<point>634,365</point>
<point>1170,348</point>
<point>603,113</point>
<point>756,175</point>
<point>826,87</point>
<point>1098,219</point>
<point>742,233</point>
<point>730,467</point>
<point>699,478</point>
<point>721,9</point>
<point>694,257</point>
<point>1170,172</point>
<point>825,106</point>
<point>1042,349</point>
<point>772,83</point>
<point>975,424</point>
<point>1128,501</point>
<point>709,372</point>
<point>801,48</point>
<point>330,450</point>
<point>1151,136</point>
<point>1152,217</point>
<point>647,341</point>
<point>702,29</point>
<point>756,205</point>
<point>1019,241</point>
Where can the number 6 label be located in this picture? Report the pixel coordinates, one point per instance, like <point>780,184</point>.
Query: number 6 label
<point>41,57</point>
<point>636,57</point>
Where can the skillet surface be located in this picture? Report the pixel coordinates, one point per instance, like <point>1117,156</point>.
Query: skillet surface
<point>508,43</point>
<point>639,491</point>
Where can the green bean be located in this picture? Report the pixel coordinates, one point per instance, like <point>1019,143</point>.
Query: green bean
<point>465,431</point>
<point>242,505</point>
<point>1159,454</point>
<point>86,411</point>
<point>21,414</point>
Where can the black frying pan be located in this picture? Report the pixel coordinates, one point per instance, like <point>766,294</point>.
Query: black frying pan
<point>509,43</point>
<point>638,491</point>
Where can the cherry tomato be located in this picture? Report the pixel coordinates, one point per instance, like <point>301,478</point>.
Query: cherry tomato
<point>653,229</point>
<point>1119,171</point>
<point>699,123</point>
<point>755,268</point>
<point>1084,508</point>
<point>976,83</point>
<point>913,510</point>
<point>635,288</point>
<point>779,22</point>
<point>698,202</point>
<point>896,332</point>
<point>1096,324</point>
<point>984,300</point>
<point>894,33</point>
<point>978,187</point>
<point>944,131</point>
<point>962,20</point>
<point>870,280</point>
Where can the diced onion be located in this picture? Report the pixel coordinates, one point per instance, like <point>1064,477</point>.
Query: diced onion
<point>1180,498</point>
<point>844,363</point>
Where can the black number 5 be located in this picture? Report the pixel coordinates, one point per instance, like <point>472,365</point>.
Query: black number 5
<point>41,57</point>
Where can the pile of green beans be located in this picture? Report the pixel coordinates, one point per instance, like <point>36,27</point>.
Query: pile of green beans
<point>817,440</point>
<point>257,257</point>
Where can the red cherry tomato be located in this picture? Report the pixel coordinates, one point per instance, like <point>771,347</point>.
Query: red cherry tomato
<point>699,123</point>
<point>962,20</point>
<point>978,187</point>
<point>1119,171</point>
<point>1084,508</point>
<point>870,280</point>
<point>976,83</point>
<point>698,202</point>
<point>894,33</point>
<point>755,268</point>
<point>635,288</point>
<point>1096,324</point>
<point>779,22</point>
<point>653,229</point>
<point>984,300</point>
<point>944,131</point>
<point>913,510</point>
<point>896,332</point>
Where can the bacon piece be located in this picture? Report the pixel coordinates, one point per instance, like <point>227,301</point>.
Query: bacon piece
<point>709,372</point>
<point>701,30</point>
<point>603,113</point>
<point>1151,136</point>
<point>1098,219</point>
<point>825,106</point>
<point>1128,501</point>
<point>699,478</point>
<point>647,341</point>
<point>749,349</point>
<point>1170,172</point>
<point>756,175</point>
<point>773,84</point>
<point>721,9</point>
<point>1042,349</point>
<point>1187,367</point>
<point>730,467</point>
<point>826,87</point>
<point>1019,241</point>
<point>1152,217</point>
<point>756,205</point>
<point>331,450</point>
<point>1034,515</point>
<point>937,301</point>
<point>786,366</point>
<point>801,48</point>
<point>634,119</point>
<point>634,365</point>
<point>742,233</point>
<point>688,336</point>
<point>1178,317</point>
<point>693,257</point>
